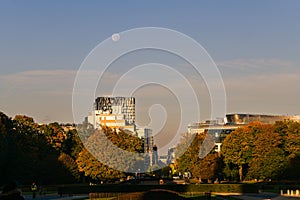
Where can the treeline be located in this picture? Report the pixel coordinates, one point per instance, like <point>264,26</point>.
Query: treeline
<point>53,154</point>
<point>254,152</point>
<point>50,154</point>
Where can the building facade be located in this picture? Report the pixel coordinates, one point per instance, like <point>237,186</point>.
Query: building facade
<point>171,156</point>
<point>113,112</point>
<point>146,135</point>
<point>242,118</point>
<point>117,105</point>
<point>219,129</point>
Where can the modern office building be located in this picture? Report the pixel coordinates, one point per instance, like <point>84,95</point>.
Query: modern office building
<point>117,105</point>
<point>221,128</point>
<point>113,112</point>
<point>146,135</point>
<point>242,118</point>
<point>155,155</point>
<point>171,155</point>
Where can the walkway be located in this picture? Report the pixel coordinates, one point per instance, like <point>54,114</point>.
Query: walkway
<point>264,196</point>
<point>55,196</point>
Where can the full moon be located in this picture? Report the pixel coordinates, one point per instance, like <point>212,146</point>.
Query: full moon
<point>115,37</point>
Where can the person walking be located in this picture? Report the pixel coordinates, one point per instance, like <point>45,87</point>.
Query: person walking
<point>34,189</point>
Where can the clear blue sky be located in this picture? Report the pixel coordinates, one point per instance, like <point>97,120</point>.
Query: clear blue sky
<point>256,45</point>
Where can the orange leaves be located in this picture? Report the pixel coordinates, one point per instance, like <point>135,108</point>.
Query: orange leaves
<point>99,144</point>
<point>265,150</point>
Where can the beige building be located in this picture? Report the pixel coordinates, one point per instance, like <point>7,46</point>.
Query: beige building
<point>114,112</point>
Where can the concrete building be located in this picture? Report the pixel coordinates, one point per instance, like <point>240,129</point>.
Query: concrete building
<point>171,155</point>
<point>163,159</point>
<point>117,105</point>
<point>146,135</point>
<point>155,155</point>
<point>113,112</point>
<point>242,118</point>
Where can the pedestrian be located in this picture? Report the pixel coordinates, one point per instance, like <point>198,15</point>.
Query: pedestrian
<point>11,192</point>
<point>34,189</point>
<point>40,190</point>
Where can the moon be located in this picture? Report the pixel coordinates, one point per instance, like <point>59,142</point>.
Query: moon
<point>115,37</point>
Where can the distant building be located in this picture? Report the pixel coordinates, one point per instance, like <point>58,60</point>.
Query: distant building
<point>221,128</point>
<point>113,112</point>
<point>171,156</point>
<point>146,135</point>
<point>163,159</point>
<point>68,127</point>
<point>117,105</point>
<point>155,156</point>
<point>240,119</point>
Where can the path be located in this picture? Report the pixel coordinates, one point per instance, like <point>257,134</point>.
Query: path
<point>264,196</point>
<point>55,196</point>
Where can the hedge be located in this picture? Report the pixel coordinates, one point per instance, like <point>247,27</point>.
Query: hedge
<point>220,188</point>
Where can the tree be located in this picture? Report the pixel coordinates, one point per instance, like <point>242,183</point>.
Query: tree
<point>208,167</point>
<point>290,132</point>
<point>55,135</point>
<point>186,152</point>
<point>94,169</point>
<point>291,136</point>
<point>6,131</point>
<point>72,144</point>
<point>268,160</point>
<point>238,146</point>
<point>26,155</point>
<point>70,165</point>
<point>105,146</point>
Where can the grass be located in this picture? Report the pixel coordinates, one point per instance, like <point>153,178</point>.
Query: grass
<point>202,196</point>
<point>227,197</point>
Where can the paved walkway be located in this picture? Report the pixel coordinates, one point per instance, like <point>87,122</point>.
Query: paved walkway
<point>55,196</point>
<point>264,196</point>
<point>260,196</point>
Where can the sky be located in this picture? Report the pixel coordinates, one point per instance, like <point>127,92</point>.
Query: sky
<point>255,45</point>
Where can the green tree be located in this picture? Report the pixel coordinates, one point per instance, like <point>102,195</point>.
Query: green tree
<point>6,131</point>
<point>28,156</point>
<point>72,144</point>
<point>54,134</point>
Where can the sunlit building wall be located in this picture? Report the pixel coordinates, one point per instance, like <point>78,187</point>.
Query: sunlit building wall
<point>220,129</point>
<point>113,112</point>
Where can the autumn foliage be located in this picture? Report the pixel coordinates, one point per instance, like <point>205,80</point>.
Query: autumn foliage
<point>49,153</point>
<point>263,152</point>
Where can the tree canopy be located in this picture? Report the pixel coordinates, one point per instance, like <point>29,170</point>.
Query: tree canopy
<point>49,153</point>
<point>207,168</point>
<point>260,151</point>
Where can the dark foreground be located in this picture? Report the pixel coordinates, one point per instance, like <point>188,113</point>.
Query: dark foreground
<point>166,195</point>
<point>148,195</point>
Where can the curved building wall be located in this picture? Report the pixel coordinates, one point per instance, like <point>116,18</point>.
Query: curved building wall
<point>241,118</point>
